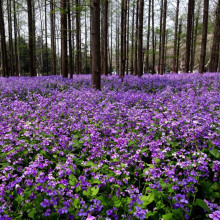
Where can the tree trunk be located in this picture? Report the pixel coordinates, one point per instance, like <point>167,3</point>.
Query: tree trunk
<point>64,63</point>
<point>53,41</point>
<point>136,40</point>
<point>163,38</point>
<point>78,48</point>
<point>123,37</point>
<point>11,49</point>
<point>140,38</point>
<point>195,38</point>
<point>191,4</point>
<point>70,42</point>
<point>153,39</point>
<point>95,16</point>
<point>105,40</point>
<point>178,46</point>
<point>46,44</point>
<point>5,69</point>
<point>31,29</point>
<point>161,23</point>
<point>148,39</point>
<point>132,41</point>
<point>204,36</point>
<point>213,67</point>
<point>15,39</point>
<point>128,35</point>
<point>174,69</point>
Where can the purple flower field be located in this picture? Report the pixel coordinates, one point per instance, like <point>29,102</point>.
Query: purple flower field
<point>145,149</point>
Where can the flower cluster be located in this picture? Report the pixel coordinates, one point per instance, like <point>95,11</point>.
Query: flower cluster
<point>145,148</point>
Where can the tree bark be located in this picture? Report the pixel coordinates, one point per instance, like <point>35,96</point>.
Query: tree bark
<point>148,39</point>
<point>105,40</point>
<point>136,41</point>
<point>15,39</point>
<point>160,41</point>
<point>140,38</point>
<point>174,69</point>
<point>5,68</point>
<point>70,42</point>
<point>204,37</point>
<point>46,43</point>
<point>11,48</point>
<point>213,67</point>
<point>123,37</point>
<point>191,4</point>
<point>95,16</point>
<point>178,46</point>
<point>53,41</point>
<point>64,62</point>
<point>163,38</point>
<point>153,39</point>
<point>78,48</point>
<point>31,29</point>
<point>132,42</point>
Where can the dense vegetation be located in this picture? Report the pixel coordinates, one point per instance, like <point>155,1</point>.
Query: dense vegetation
<point>145,148</point>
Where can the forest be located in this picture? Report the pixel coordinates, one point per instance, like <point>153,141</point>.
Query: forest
<point>109,109</point>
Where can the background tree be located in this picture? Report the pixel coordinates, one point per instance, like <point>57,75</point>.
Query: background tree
<point>5,69</point>
<point>204,36</point>
<point>95,48</point>
<point>140,38</point>
<point>213,66</point>
<point>64,64</point>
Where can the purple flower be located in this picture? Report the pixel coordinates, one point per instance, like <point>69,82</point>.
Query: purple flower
<point>140,213</point>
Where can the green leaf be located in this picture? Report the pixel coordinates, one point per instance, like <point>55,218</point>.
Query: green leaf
<point>215,153</point>
<point>72,180</point>
<point>147,199</point>
<point>116,201</point>
<point>94,191</point>
<point>103,200</point>
<point>168,216</point>
<point>202,204</point>
<point>32,213</point>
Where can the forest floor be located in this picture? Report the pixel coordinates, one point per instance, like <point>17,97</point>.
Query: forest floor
<point>145,148</point>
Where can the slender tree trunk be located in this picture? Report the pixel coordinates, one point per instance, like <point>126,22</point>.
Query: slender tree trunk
<point>95,15</point>
<point>5,68</point>
<point>11,48</point>
<point>192,57</point>
<point>175,37</point>
<point>70,42</point>
<point>111,65</point>
<point>191,4</point>
<point>204,37</point>
<point>86,45</point>
<point>140,38</point>
<point>46,43</point>
<point>132,42</point>
<point>163,38</point>
<point>148,38</point>
<point>178,46</point>
<point>123,37</point>
<point>195,38</point>
<point>213,67</point>
<point>160,43</point>
<point>53,41</point>
<point>128,36</point>
<point>78,48</point>
<point>31,28</point>
<point>136,41</point>
<point>153,38</point>
<point>15,38</point>
<point>64,62</point>
<point>73,37</point>
<point>105,32</point>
